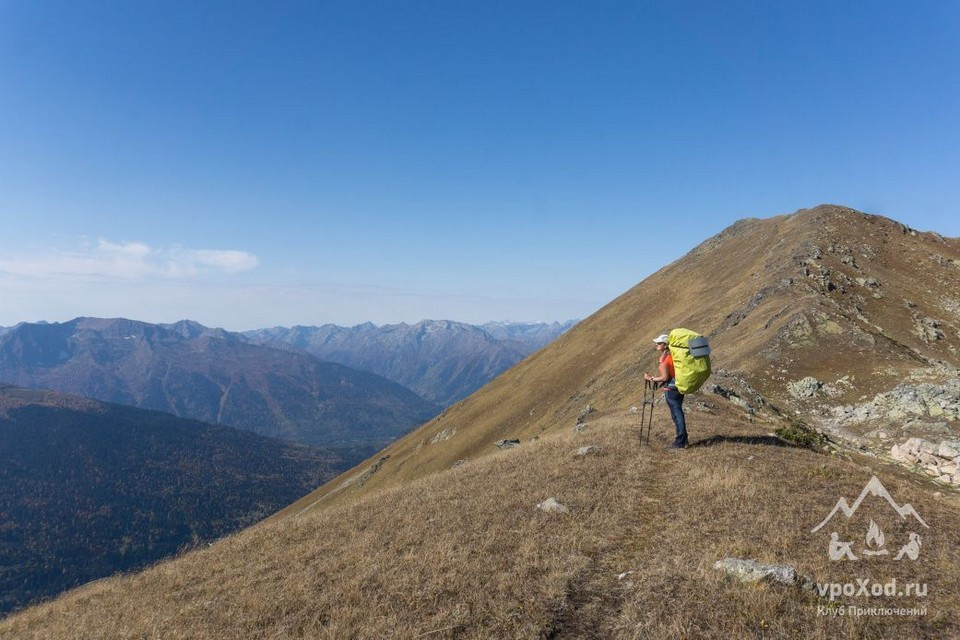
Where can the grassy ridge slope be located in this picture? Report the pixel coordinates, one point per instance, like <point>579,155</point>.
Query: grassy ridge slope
<point>758,290</point>
<point>455,555</point>
<point>412,544</point>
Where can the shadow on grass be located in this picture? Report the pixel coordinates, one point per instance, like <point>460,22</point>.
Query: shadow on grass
<point>771,441</point>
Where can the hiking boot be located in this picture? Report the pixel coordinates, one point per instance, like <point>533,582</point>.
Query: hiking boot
<point>677,445</point>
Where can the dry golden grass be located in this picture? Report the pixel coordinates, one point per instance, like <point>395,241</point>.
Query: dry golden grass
<point>405,546</point>
<point>465,553</point>
<point>742,288</point>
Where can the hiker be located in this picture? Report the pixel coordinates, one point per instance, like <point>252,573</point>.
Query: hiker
<point>674,398</point>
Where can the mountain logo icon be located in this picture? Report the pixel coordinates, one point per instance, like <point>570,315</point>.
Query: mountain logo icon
<point>843,550</point>
<point>876,488</point>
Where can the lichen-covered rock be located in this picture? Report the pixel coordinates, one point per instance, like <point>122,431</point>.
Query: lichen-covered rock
<point>922,400</point>
<point>753,571</point>
<point>928,329</point>
<point>949,449</point>
<point>587,410</point>
<point>446,434</point>
<point>932,458</point>
<point>805,388</point>
<point>901,453</point>
<point>551,505</point>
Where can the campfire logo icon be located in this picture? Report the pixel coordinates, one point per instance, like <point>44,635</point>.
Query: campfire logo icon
<point>875,539</point>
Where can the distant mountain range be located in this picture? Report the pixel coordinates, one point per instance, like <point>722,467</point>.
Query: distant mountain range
<point>212,375</point>
<point>532,335</point>
<point>88,488</point>
<point>445,534</point>
<point>442,361</point>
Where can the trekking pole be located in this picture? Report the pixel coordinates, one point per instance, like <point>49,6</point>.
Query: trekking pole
<point>649,396</point>
<point>653,399</point>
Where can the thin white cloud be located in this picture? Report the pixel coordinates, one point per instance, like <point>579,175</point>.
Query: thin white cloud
<point>109,279</point>
<point>128,260</point>
<point>228,261</point>
<point>131,249</point>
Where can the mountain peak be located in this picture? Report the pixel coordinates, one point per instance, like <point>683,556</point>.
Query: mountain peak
<point>826,292</point>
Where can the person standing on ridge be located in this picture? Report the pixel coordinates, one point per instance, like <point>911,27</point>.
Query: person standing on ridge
<point>673,397</point>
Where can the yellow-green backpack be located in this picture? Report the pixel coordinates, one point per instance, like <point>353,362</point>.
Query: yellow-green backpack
<point>691,359</point>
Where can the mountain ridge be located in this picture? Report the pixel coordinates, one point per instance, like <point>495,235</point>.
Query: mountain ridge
<point>772,269</point>
<point>441,360</point>
<point>634,552</point>
<point>212,375</point>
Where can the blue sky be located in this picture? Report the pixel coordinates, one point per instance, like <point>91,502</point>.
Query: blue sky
<point>250,164</point>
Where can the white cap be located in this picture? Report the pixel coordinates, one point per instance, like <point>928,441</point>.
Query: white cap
<point>664,338</point>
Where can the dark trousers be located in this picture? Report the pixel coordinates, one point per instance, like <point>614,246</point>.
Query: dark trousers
<point>675,402</point>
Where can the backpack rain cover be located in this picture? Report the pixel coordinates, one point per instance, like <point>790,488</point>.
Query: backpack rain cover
<point>690,370</point>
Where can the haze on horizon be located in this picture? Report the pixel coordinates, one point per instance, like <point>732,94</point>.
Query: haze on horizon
<point>249,164</point>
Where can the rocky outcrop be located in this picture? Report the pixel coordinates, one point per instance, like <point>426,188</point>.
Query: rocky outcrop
<point>938,459</point>
<point>928,329</point>
<point>753,571</point>
<point>582,416</point>
<point>445,434</point>
<point>805,388</point>
<point>907,401</point>
<point>736,390</point>
<point>809,387</point>
<point>361,479</point>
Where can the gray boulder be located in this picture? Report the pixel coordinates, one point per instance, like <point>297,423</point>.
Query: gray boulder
<point>805,388</point>
<point>753,571</point>
<point>550,505</point>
